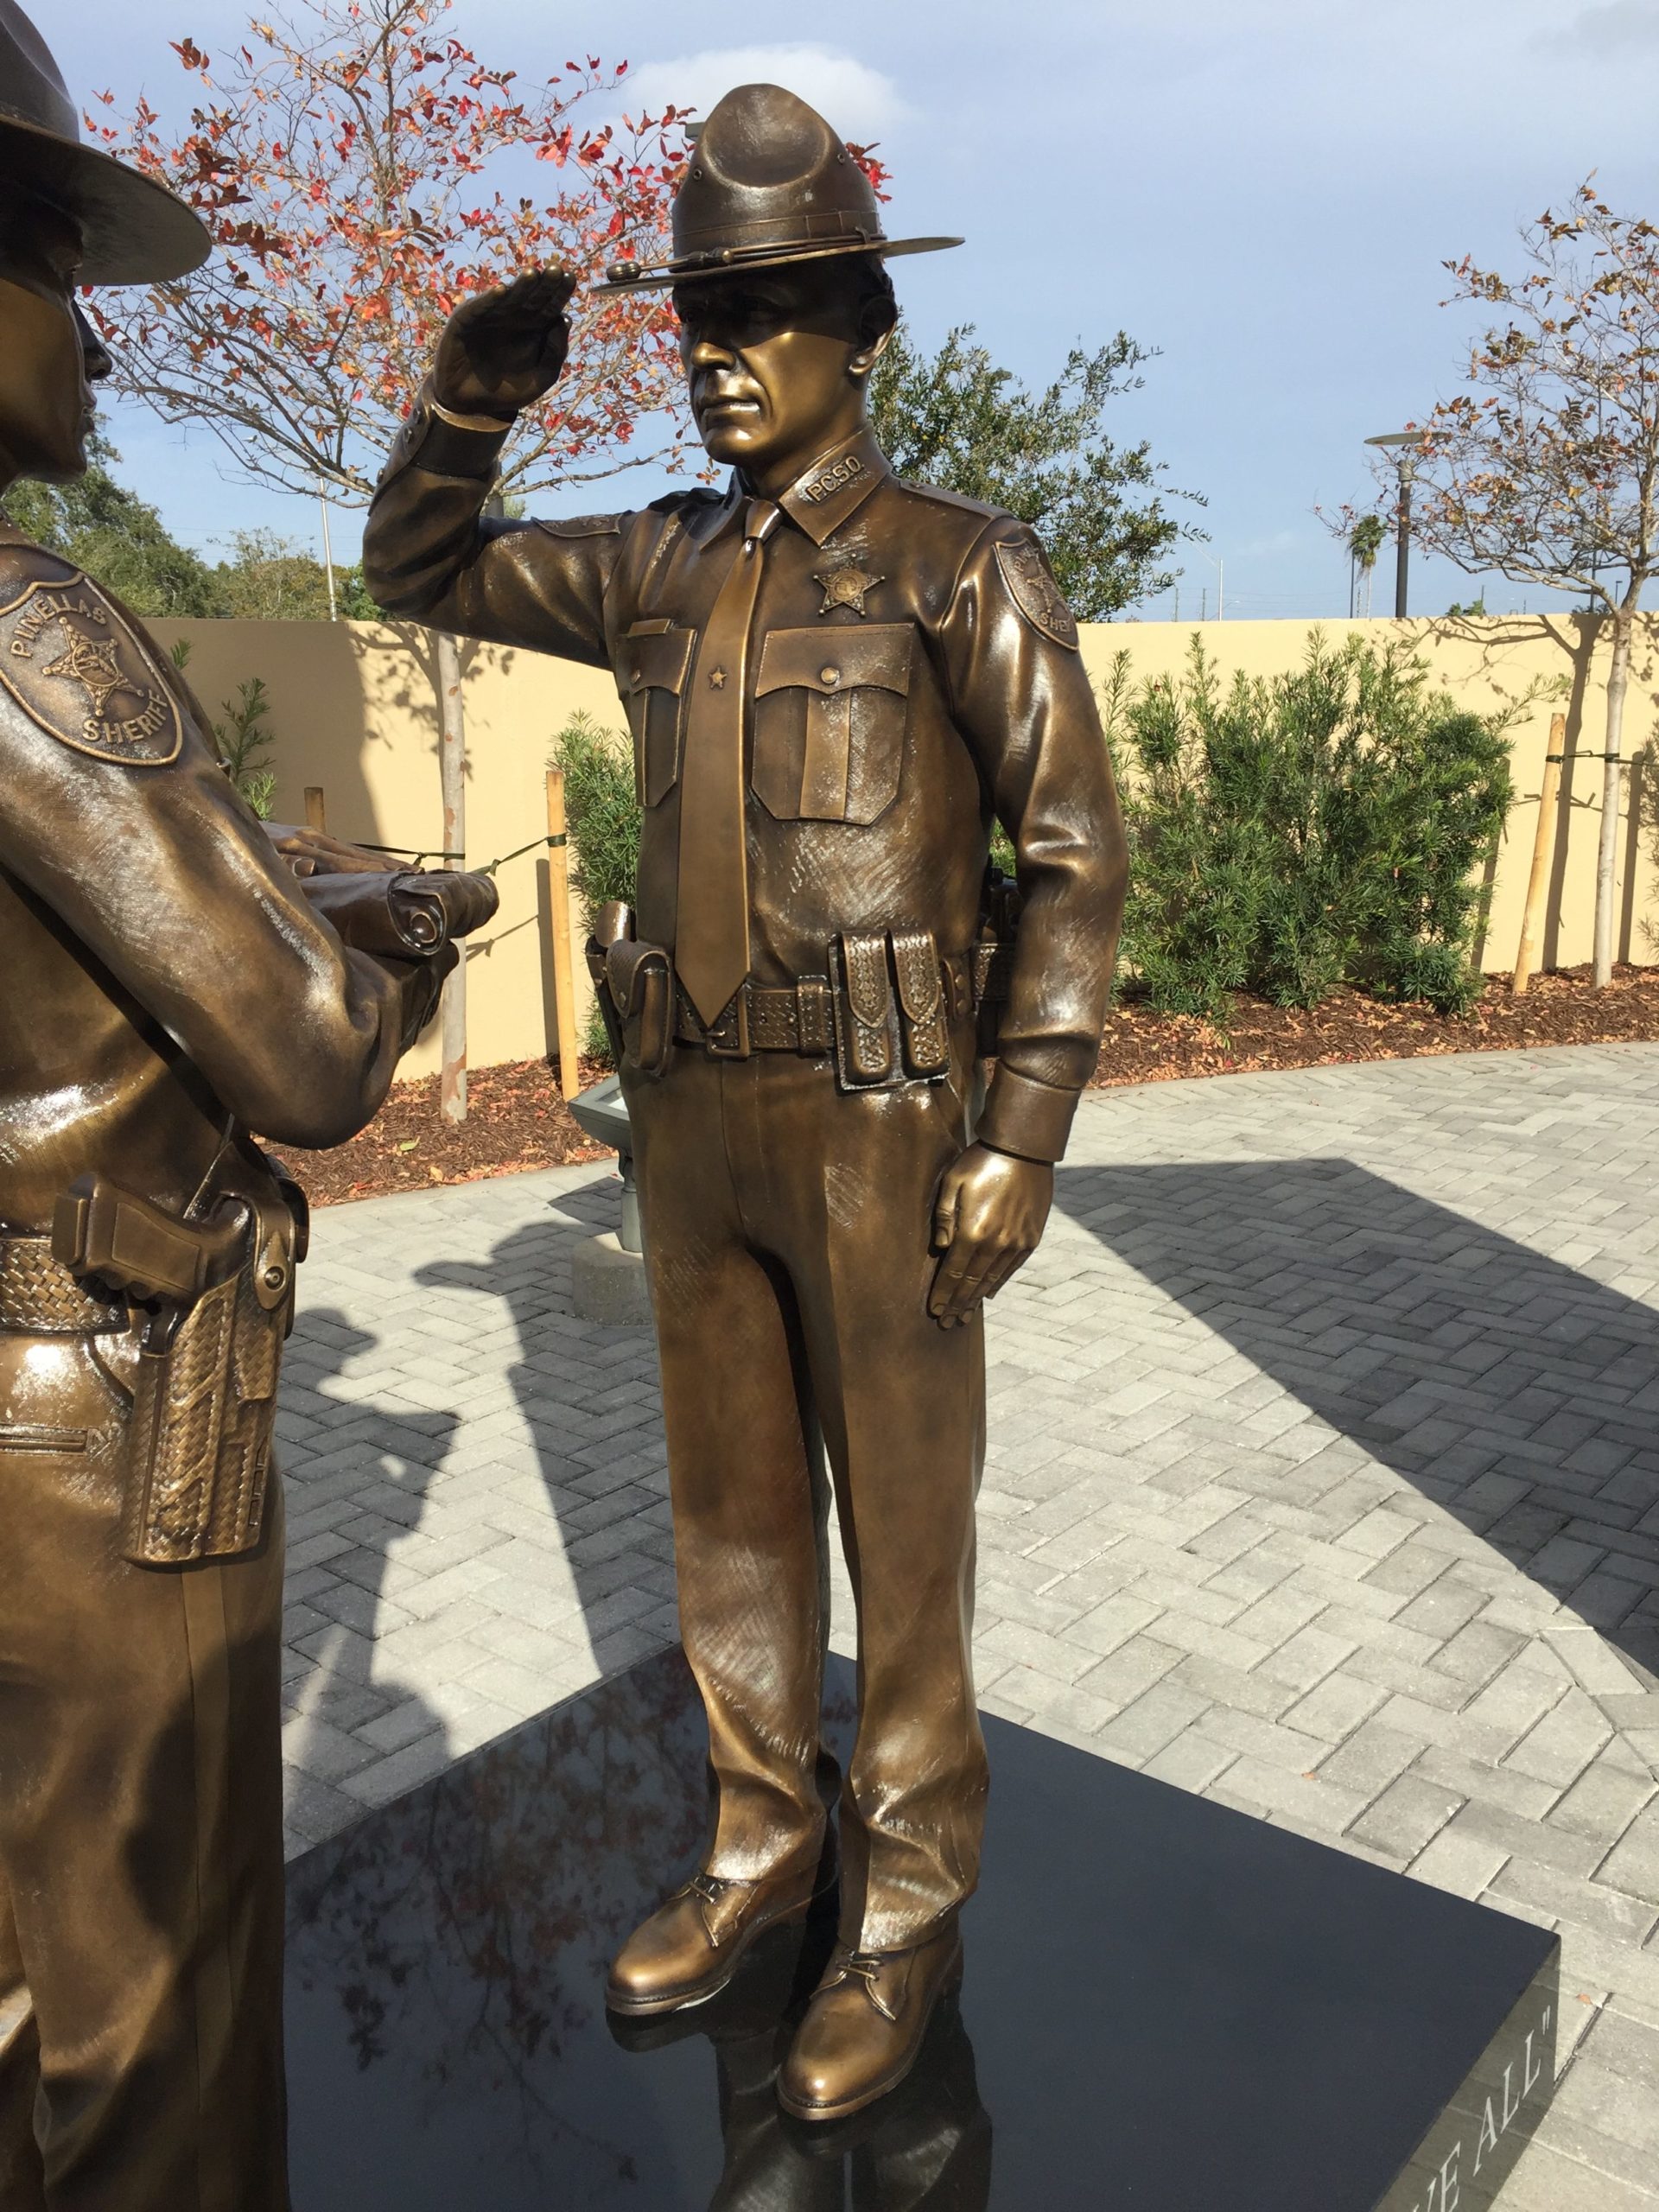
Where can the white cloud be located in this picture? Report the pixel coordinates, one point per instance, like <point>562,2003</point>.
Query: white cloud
<point>858,100</point>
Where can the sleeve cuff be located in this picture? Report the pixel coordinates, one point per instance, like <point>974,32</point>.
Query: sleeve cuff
<point>450,445</point>
<point>1031,1120</point>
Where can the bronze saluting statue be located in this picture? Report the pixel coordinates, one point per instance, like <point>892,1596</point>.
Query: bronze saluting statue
<point>168,988</point>
<point>835,681</point>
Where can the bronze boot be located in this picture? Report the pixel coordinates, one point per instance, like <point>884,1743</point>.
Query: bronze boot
<point>688,1949</point>
<point>865,2025</point>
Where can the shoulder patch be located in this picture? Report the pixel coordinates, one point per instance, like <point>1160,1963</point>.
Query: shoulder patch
<point>1035,591</point>
<point>582,526</point>
<point>77,668</point>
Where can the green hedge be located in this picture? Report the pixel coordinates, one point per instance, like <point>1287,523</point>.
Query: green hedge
<point>1292,833</point>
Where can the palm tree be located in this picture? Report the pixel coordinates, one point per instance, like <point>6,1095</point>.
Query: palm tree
<point>1365,541</point>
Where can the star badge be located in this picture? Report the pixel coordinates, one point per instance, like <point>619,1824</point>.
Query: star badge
<point>90,661</point>
<point>717,679</point>
<point>846,587</point>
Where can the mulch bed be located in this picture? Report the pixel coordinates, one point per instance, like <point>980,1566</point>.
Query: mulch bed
<point>1560,1008</point>
<point>516,1118</point>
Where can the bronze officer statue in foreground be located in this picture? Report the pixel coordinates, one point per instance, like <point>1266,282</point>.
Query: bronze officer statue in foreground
<point>167,989</point>
<point>835,680</point>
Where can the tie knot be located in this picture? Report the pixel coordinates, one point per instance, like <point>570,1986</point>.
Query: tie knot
<point>760,521</point>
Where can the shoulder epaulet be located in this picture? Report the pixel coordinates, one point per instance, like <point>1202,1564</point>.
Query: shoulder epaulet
<point>677,503</point>
<point>581,526</point>
<point>937,496</point>
<point>80,668</point>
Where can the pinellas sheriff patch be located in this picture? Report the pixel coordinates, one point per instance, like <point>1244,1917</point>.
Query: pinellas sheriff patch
<point>77,667</point>
<point>1036,593</point>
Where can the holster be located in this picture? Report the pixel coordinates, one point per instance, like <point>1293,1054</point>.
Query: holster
<point>635,986</point>
<point>218,1296</point>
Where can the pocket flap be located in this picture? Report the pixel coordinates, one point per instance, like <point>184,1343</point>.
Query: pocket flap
<point>653,659</point>
<point>827,661</point>
<point>868,992</point>
<point>916,961</point>
<point>628,968</point>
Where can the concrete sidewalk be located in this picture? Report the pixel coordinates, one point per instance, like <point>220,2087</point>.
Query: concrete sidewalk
<point>1323,1479</point>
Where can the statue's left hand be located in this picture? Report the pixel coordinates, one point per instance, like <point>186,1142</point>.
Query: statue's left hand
<point>987,1220</point>
<point>313,852</point>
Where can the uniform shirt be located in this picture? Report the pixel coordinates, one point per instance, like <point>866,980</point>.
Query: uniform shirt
<point>165,976</point>
<point>912,671</point>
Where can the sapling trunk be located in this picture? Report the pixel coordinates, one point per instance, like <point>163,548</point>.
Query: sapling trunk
<point>1619,677</point>
<point>452,769</point>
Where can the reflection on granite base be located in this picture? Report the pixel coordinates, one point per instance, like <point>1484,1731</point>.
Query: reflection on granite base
<point>1165,2004</point>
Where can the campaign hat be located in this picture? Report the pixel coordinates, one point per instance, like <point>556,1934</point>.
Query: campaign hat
<point>767,182</point>
<point>133,230</point>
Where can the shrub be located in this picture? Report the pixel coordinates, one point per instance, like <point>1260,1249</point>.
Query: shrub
<point>603,817</point>
<point>602,812</point>
<point>246,745</point>
<point>1291,833</point>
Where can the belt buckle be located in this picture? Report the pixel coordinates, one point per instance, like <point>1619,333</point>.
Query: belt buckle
<point>729,1038</point>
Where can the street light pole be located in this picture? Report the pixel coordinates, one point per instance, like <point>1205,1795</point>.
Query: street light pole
<point>327,550</point>
<point>1403,547</point>
<point>1406,445</point>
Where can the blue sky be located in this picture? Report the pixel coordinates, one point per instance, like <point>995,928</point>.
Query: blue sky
<point>1264,189</point>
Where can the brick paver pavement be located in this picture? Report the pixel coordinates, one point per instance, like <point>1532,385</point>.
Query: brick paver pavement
<point>1323,1479</point>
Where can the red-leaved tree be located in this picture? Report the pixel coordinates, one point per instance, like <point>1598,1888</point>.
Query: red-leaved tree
<point>362,172</point>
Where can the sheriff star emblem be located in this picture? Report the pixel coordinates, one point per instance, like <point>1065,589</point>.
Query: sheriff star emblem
<point>77,668</point>
<point>89,662</point>
<point>846,587</point>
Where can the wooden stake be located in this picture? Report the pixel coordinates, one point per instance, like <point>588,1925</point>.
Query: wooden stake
<point>1543,853</point>
<point>315,817</point>
<point>558,914</point>
<point>452,769</point>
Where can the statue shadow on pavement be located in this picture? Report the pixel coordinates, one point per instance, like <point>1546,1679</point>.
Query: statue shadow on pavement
<point>1515,1392</point>
<point>374,1464</point>
<point>590,1401</point>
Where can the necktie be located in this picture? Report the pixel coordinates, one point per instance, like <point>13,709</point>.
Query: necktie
<point>711,949</point>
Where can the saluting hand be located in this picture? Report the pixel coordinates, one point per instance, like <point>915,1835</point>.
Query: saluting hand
<point>501,350</point>
<point>987,1221</point>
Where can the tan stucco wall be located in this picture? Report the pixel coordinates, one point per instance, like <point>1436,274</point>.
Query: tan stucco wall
<point>355,710</point>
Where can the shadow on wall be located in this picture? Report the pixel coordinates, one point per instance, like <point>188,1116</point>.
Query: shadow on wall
<point>1514,1391</point>
<point>356,1477</point>
<point>1571,641</point>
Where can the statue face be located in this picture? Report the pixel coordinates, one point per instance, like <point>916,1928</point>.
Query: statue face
<point>774,368</point>
<point>51,357</point>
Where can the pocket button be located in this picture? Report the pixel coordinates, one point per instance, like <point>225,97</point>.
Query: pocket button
<point>829,676</point>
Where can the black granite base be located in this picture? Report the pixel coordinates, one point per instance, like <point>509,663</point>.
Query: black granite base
<point>1166,2005</point>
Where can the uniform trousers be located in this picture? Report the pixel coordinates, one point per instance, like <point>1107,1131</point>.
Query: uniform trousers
<point>141,1862</point>
<point>787,1231</point>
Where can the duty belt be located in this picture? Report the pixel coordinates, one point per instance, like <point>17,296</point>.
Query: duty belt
<point>799,1017</point>
<point>40,1297</point>
<point>764,1017</point>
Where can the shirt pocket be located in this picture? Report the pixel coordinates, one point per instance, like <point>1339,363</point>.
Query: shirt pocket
<point>830,708</point>
<point>651,677</point>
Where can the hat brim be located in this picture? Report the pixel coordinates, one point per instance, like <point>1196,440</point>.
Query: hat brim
<point>663,275</point>
<point>133,230</point>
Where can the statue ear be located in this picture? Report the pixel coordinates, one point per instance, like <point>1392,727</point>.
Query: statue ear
<point>874,341</point>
